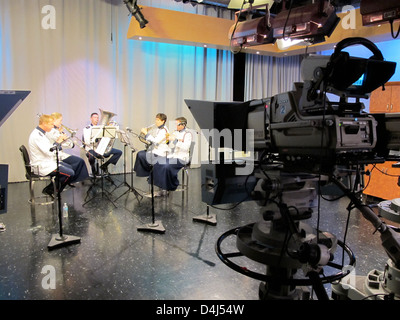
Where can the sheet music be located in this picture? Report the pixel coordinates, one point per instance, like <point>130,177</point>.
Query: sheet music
<point>101,148</point>
<point>103,131</point>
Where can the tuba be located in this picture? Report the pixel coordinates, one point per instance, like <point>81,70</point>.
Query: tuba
<point>106,117</point>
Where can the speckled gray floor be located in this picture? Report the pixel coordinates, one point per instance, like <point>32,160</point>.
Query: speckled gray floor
<point>115,261</point>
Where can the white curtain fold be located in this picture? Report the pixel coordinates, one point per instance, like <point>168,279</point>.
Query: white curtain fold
<point>267,76</point>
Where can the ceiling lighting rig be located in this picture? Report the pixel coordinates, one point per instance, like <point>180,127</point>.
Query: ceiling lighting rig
<point>379,12</point>
<point>308,23</point>
<point>135,11</point>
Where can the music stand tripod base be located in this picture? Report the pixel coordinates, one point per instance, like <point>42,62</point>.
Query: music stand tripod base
<point>58,241</point>
<point>207,218</point>
<point>157,227</point>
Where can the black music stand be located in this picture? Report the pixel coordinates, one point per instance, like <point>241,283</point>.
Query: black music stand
<point>126,141</point>
<point>96,133</point>
<point>156,225</point>
<point>60,240</point>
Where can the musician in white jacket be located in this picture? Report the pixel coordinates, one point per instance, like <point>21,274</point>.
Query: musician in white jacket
<point>158,150</point>
<point>113,154</point>
<point>165,173</point>
<point>42,153</point>
<point>77,163</point>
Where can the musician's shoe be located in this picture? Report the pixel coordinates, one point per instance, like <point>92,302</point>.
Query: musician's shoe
<point>104,168</point>
<point>161,193</point>
<point>48,191</point>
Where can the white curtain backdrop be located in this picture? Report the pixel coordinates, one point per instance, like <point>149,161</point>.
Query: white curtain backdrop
<point>74,57</point>
<point>267,76</point>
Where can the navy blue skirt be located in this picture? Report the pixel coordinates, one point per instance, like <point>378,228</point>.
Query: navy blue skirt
<point>165,171</point>
<point>165,174</point>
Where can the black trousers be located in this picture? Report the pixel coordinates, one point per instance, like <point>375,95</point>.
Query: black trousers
<point>93,155</point>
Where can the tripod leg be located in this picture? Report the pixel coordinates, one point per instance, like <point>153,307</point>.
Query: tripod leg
<point>318,286</point>
<point>103,193</point>
<point>130,187</point>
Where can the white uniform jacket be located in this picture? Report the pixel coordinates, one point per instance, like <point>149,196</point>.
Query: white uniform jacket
<point>43,161</point>
<point>87,131</point>
<point>158,138</point>
<point>53,135</point>
<point>180,142</point>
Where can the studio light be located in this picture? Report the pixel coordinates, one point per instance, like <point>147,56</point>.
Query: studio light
<point>284,44</point>
<point>301,25</point>
<point>312,22</point>
<point>135,11</point>
<point>379,12</point>
<point>251,32</point>
<point>193,3</point>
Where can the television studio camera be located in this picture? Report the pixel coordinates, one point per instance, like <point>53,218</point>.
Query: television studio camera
<point>301,143</point>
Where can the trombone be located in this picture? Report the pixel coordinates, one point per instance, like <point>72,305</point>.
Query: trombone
<point>72,132</point>
<point>72,136</point>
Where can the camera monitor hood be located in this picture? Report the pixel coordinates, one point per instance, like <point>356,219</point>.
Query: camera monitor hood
<point>357,76</point>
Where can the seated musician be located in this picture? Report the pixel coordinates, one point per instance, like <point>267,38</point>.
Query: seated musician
<point>43,154</point>
<point>77,163</point>
<point>165,173</point>
<point>157,136</point>
<point>92,154</point>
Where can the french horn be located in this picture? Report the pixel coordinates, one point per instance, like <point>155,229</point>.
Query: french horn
<point>142,136</point>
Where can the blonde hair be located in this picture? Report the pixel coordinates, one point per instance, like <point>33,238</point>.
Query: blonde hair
<point>46,119</point>
<point>56,115</point>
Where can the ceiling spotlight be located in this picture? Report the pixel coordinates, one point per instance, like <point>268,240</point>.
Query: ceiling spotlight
<point>312,22</point>
<point>251,32</point>
<point>135,11</point>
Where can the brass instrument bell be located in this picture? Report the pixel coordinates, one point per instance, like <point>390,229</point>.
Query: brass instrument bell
<point>106,117</point>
